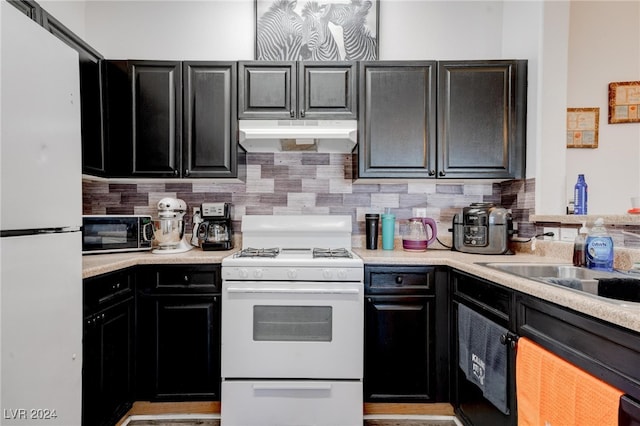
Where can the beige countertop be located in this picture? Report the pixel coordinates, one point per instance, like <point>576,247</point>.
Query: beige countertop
<point>626,315</point>
<point>96,264</point>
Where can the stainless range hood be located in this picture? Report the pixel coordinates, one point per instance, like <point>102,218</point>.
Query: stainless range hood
<point>338,136</point>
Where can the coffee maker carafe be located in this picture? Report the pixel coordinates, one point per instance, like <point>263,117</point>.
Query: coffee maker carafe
<point>215,232</point>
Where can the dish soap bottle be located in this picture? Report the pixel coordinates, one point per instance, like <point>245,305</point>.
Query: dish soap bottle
<point>599,248</point>
<point>579,245</point>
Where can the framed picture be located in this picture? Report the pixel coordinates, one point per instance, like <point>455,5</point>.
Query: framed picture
<point>316,30</point>
<point>582,127</point>
<point>624,102</point>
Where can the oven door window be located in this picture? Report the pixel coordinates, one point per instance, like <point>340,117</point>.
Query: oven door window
<point>292,323</point>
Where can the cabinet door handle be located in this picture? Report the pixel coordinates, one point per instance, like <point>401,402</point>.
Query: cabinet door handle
<point>186,279</point>
<point>442,173</point>
<point>302,113</point>
<point>187,172</point>
<point>292,113</point>
<point>175,172</point>
<point>509,339</point>
<point>432,172</point>
<point>399,279</point>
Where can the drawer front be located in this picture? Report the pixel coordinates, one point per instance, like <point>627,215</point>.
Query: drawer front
<point>391,279</point>
<point>181,279</point>
<point>486,296</point>
<point>261,402</point>
<point>104,290</point>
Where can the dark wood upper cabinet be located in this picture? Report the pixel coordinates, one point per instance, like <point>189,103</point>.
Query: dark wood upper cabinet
<point>267,89</point>
<point>156,90</point>
<point>172,118</point>
<point>297,90</point>
<point>397,126</point>
<point>482,119</point>
<point>479,129</point>
<point>327,90</point>
<point>210,119</point>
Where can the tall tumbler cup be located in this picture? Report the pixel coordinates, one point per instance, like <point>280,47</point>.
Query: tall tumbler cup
<point>372,220</point>
<point>388,225</point>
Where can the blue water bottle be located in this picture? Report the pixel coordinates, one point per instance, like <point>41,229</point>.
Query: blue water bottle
<point>580,196</point>
<point>388,225</point>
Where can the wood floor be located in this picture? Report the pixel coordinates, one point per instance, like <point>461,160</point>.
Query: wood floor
<point>366,423</point>
<point>207,414</point>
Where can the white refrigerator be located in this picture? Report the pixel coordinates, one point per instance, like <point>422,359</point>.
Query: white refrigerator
<point>40,220</point>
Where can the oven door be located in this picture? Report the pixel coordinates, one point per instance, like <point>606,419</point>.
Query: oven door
<point>292,330</point>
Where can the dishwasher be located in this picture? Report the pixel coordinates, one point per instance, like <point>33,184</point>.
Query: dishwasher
<point>486,301</point>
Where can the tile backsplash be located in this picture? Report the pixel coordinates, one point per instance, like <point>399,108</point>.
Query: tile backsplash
<point>312,183</point>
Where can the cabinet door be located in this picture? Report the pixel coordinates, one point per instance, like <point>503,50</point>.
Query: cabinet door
<point>327,90</point>
<point>185,342</point>
<point>209,146</point>
<point>107,364</point>
<point>397,110</point>
<point>267,89</point>
<point>399,348</point>
<point>157,118</point>
<point>482,119</point>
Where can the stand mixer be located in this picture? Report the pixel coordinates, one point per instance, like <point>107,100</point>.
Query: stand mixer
<point>169,227</point>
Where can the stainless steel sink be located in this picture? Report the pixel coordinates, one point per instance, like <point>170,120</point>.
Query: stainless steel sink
<point>611,285</point>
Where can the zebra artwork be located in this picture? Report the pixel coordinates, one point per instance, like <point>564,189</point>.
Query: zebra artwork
<point>316,30</point>
<point>318,41</point>
<point>279,32</point>
<point>359,44</point>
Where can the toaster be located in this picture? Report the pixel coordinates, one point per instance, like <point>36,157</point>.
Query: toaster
<point>482,228</point>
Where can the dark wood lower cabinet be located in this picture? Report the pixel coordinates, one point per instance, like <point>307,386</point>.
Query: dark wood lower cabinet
<point>399,348</point>
<point>495,303</point>
<point>178,333</point>
<point>107,370</point>
<point>180,347</point>
<point>164,343</point>
<point>406,335</point>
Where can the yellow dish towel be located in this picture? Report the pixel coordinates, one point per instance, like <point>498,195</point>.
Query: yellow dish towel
<point>553,392</point>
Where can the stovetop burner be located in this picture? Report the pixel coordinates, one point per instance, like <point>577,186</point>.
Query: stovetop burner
<point>261,252</point>
<point>325,253</point>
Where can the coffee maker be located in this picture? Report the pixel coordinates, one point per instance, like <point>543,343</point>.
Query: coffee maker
<point>215,232</point>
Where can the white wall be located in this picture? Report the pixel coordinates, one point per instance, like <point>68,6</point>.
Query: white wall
<point>604,50</point>
<point>71,13</point>
<point>414,29</point>
<point>224,29</point>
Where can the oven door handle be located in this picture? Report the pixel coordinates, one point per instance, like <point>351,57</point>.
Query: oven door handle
<point>292,291</point>
<point>291,386</point>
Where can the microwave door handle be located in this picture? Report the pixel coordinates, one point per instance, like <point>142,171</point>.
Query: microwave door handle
<point>267,290</point>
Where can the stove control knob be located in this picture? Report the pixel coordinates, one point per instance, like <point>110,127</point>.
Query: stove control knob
<point>292,273</point>
<point>244,273</point>
<point>327,274</point>
<point>258,273</point>
<point>342,273</point>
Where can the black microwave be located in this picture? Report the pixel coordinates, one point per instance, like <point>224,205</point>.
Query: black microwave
<point>116,233</point>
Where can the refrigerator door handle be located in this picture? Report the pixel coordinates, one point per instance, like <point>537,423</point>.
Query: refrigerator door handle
<point>24,232</point>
